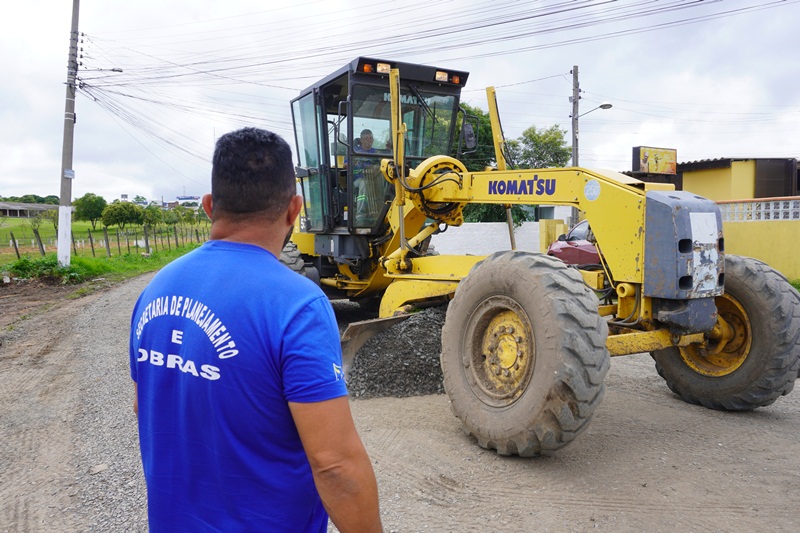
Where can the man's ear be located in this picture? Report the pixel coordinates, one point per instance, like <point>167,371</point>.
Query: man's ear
<point>207,205</point>
<point>295,205</point>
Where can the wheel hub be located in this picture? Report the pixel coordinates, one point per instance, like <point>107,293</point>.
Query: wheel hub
<point>503,355</point>
<point>728,351</point>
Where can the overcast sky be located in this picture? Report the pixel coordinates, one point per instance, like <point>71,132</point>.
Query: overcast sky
<point>709,78</point>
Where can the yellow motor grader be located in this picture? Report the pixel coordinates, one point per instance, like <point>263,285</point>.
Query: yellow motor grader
<point>527,338</point>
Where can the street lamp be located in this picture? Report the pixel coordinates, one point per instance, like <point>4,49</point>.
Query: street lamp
<point>575,117</point>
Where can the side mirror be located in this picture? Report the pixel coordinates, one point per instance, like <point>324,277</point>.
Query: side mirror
<point>468,134</point>
<point>562,237</point>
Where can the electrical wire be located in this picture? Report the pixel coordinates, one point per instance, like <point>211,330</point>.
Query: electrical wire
<point>155,60</point>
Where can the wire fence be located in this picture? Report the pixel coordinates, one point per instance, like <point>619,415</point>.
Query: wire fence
<point>107,242</point>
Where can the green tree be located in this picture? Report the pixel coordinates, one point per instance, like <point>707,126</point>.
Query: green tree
<point>52,199</point>
<point>30,199</point>
<point>189,217</point>
<point>35,221</point>
<point>89,207</point>
<point>153,215</point>
<point>121,214</point>
<point>140,200</point>
<point>541,148</point>
<point>535,148</point>
<point>51,215</point>
<point>180,214</point>
<point>171,217</point>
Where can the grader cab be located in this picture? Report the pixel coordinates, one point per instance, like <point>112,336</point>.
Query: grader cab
<point>527,339</point>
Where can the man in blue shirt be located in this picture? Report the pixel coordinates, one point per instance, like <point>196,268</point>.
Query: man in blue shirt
<point>244,421</point>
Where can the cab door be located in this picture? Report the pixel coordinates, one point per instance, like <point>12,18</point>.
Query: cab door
<point>312,169</point>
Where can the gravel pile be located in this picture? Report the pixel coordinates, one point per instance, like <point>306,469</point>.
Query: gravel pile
<point>401,361</point>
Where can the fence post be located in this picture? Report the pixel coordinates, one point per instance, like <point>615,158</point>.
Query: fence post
<point>197,235</point>
<point>38,241</point>
<point>91,242</point>
<point>155,238</point>
<point>108,244</point>
<point>128,243</point>
<point>14,240</point>
<point>146,239</point>
<point>177,242</point>
<point>74,246</point>
<point>119,248</point>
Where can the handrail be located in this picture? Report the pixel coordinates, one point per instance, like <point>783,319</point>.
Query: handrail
<point>750,200</point>
<point>760,209</point>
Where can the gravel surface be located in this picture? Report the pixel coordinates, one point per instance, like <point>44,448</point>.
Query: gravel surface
<point>70,462</point>
<point>113,494</point>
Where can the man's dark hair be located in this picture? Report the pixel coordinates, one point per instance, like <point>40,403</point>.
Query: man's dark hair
<point>252,174</point>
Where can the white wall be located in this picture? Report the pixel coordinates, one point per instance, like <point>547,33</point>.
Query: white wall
<point>485,238</point>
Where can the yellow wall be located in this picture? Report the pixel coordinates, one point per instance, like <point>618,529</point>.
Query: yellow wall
<point>734,183</point>
<point>743,180</point>
<point>772,241</point>
<point>549,230</point>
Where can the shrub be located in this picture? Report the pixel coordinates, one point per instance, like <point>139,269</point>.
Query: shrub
<point>47,268</point>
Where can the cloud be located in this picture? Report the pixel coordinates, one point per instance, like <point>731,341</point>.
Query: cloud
<point>718,88</point>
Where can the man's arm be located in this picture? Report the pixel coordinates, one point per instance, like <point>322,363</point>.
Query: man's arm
<point>342,470</point>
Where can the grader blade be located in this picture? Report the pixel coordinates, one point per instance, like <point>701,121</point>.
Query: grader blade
<point>358,333</point>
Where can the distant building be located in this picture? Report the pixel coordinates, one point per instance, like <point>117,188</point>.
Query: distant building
<point>188,199</point>
<point>730,178</point>
<point>20,210</point>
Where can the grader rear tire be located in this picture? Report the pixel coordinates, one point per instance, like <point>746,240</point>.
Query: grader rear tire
<point>760,363</point>
<point>291,257</point>
<point>523,353</point>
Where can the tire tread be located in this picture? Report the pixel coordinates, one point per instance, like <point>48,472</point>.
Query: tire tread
<point>578,389</point>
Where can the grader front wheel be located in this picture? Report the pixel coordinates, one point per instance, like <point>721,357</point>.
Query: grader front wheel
<point>523,353</point>
<point>751,358</point>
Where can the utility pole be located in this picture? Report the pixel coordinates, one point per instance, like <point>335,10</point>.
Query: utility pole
<point>576,97</point>
<point>67,173</point>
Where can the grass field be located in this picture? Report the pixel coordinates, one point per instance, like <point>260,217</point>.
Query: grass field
<point>121,243</point>
<point>23,233</point>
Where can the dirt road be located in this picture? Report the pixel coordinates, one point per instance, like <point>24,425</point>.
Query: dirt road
<point>648,462</point>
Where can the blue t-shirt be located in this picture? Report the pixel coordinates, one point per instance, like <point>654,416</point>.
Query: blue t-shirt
<point>221,340</point>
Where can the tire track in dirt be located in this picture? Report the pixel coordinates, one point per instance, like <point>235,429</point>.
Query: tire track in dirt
<point>642,465</point>
<point>39,401</point>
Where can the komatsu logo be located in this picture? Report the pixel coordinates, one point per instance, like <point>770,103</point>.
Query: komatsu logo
<point>407,99</point>
<point>532,186</point>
